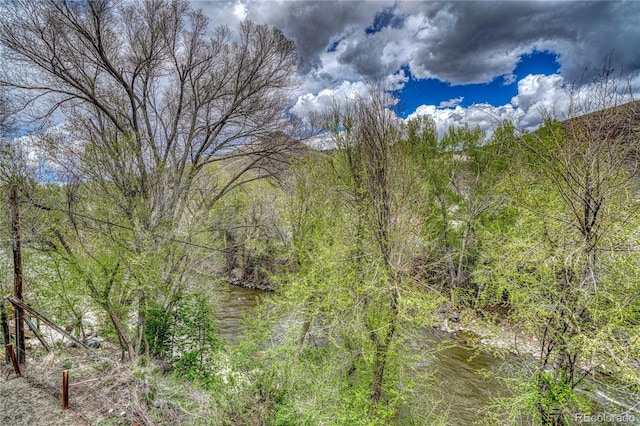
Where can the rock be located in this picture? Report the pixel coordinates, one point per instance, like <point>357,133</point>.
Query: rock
<point>92,343</point>
<point>468,338</point>
<point>445,327</point>
<point>263,285</point>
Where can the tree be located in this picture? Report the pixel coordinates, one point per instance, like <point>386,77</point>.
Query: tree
<point>460,173</point>
<point>365,134</point>
<point>565,264</point>
<point>357,221</point>
<point>151,99</point>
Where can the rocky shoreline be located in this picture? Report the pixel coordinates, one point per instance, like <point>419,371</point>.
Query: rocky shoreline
<point>471,330</point>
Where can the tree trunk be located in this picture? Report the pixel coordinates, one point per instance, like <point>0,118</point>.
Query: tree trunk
<point>5,329</point>
<point>460,274</point>
<point>140,337</point>
<point>447,243</point>
<point>382,350</point>
<point>128,351</point>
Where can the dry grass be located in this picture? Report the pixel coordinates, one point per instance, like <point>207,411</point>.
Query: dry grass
<point>22,403</point>
<point>102,391</point>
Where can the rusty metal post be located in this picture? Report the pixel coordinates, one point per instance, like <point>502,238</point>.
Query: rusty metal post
<point>14,361</point>
<point>65,390</point>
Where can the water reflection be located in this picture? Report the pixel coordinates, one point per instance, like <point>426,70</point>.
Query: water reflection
<point>463,385</point>
<point>231,305</point>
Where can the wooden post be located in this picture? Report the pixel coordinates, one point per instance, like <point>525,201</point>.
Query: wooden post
<point>14,361</point>
<point>17,272</point>
<point>20,304</point>
<point>39,335</point>
<point>65,389</point>
<point>5,329</point>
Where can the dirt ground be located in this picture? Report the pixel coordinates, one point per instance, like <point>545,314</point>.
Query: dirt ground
<point>23,403</point>
<point>102,391</point>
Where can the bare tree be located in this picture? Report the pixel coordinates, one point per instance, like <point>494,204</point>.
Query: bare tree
<point>589,162</point>
<point>155,97</point>
<point>368,135</point>
<point>14,164</point>
<point>151,97</point>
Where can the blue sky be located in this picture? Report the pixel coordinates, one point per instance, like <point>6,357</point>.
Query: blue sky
<point>497,92</point>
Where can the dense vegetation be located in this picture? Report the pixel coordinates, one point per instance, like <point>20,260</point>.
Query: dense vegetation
<point>155,196</point>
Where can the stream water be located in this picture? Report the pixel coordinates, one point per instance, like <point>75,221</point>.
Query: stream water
<point>462,384</point>
<point>460,388</point>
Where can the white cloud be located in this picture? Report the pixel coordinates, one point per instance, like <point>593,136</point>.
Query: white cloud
<point>240,10</point>
<point>455,42</point>
<point>451,102</point>
<point>538,95</point>
<point>487,117</point>
<point>397,81</point>
<point>321,142</point>
<point>345,91</point>
<point>542,90</point>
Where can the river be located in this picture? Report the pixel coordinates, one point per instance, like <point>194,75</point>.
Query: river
<point>462,388</point>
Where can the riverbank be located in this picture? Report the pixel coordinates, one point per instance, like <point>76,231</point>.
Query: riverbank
<point>498,336</point>
<point>472,330</point>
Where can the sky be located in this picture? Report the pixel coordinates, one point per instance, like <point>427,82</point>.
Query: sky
<point>473,62</point>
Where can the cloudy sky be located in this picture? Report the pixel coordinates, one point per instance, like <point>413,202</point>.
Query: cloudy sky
<point>477,62</point>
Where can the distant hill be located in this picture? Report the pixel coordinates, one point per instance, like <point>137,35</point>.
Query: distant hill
<point>618,126</point>
<point>268,157</point>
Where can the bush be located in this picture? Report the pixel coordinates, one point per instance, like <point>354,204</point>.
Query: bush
<point>184,335</point>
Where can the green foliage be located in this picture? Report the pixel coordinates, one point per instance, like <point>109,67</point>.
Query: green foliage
<point>247,227</point>
<point>286,384</point>
<point>553,399</point>
<point>355,252</point>
<point>539,399</point>
<point>364,243</point>
<point>560,262</point>
<point>184,335</point>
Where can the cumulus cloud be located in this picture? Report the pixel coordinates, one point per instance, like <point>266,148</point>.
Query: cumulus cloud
<point>343,44</point>
<point>486,116</point>
<point>240,11</point>
<point>456,42</point>
<point>451,102</point>
<point>397,81</point>
<point>538,96</point>
<point>541,95</point>
<point>222,12</point>
<point>309,103</point>
<point>315,26</point>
